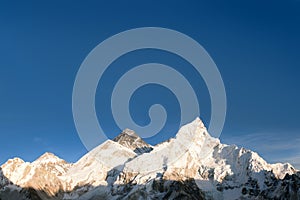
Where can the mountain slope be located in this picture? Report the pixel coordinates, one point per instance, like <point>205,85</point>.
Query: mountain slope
<point>193,165</point>
<point>221,171</point>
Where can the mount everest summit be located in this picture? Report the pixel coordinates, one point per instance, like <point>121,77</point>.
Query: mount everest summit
<point>193,165</point>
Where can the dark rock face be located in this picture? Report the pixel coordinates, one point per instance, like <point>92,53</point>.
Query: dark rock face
<point>287,188</point>
<point>3,180</point>
<point>128,138</point>
<point>159,189</point>
<point>10,191</point>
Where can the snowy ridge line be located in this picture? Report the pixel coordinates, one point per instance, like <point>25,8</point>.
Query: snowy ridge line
<point>129,168</point>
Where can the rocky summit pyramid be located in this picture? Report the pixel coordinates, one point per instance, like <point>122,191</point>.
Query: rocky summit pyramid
<point>128,138</point>
<point>192,165</point>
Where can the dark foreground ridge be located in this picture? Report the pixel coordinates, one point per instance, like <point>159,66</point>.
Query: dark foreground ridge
<point>175,190</point>
<point>162,189</point>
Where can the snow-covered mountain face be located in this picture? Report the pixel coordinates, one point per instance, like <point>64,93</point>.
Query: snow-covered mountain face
<point>193,165</point>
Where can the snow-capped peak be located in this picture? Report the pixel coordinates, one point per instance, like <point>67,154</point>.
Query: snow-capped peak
<point>14,161</point>
<point>193,132</point>
<point>192,165</point>
<point>48,158</point>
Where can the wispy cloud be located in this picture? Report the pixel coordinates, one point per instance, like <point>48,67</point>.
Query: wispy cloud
<point>294,160</point>
<point>273,146</point>
<point>37,139</point>
<point>268,141</point>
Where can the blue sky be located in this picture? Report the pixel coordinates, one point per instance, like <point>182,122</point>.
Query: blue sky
<point>255,45</point>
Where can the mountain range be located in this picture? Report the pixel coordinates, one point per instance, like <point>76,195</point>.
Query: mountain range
<point>192,165</point>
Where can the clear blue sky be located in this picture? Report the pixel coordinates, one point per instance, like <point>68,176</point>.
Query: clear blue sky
<point>255,44</point>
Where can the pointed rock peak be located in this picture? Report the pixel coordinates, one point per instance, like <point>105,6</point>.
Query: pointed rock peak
<point>128,135</point>
<point>128,138</point>
<point>195,129</point>
<point>197,123</point>
<point>48,155</point>
<point>129,132</point>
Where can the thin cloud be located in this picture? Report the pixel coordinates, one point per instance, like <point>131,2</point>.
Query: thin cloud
<point>294,160</point>
<point>274,146</point>
<point>37,139</point>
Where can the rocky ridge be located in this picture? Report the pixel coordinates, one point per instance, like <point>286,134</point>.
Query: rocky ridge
<point>193,165</point>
